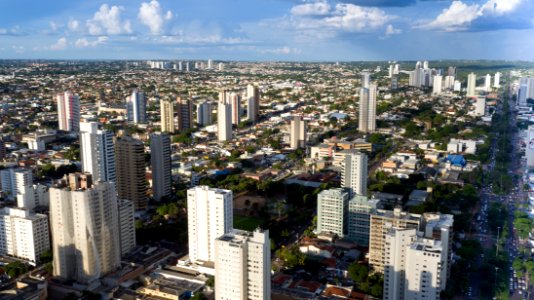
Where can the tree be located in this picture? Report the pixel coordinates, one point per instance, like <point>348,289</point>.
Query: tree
<point>211,281</point>
<point>15,269</point>
<point>198,296</point>
<point>358,272</point>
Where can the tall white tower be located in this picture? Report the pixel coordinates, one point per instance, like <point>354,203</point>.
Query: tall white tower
<point>497,80</point>
<point>224,118</point>
<point>136,107</point>
<point>436,86</point>
<point>68,109</point>
<point>354,172</point>
<point>487,83</point>
<point>237,111</point>
<point>363,119</point>
<point>332,211</point>
<point>371,106</point>
<point>160,159</point>
<point>204,113</point>
<point>209,216</point>
<point>471,84</point>
<point>253,102</point>
<point>243,265</point>
<point>298,128</point>
<point>97,152</point>
<point>167,116</point>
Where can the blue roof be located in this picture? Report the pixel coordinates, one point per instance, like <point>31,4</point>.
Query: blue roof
<point>457,160</point>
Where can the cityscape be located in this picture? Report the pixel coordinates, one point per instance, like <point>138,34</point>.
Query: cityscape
<point>138,162</point>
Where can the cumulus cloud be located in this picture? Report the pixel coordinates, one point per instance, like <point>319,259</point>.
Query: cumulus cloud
<point>352,18</point>
<point>54,26</point>
<point>390,30</point>
<point>61,44</point>
<point>311,9</point>
<point>107,20</point>
<point>500,7</point>
<point>73,25</point>
<point>151,15</point>
<point>84,42</point>
<point>280,51</point>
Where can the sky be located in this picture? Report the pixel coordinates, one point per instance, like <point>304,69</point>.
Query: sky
<point>266,30</point>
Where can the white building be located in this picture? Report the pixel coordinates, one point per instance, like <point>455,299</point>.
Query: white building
<point>97,152</point>
<point>363,110</point>
<point>253,102</point>
<point>136,107</point>
<point>371,106</point>
<point>32,196</point>
<point>14,180</point>
<point>224,118</point>
<point>127,238</point>
<point>437,85</point>
<point>457,86</point>
<point>487,83</point>
<point>209,216</point>
<point>237,110</point>
<point>471,85</point>
<point>204,113</point>
<point>160,160</point>
<point>354,172</point>
<point>23,235</point>
<point>397,241</point>
<point>480,106</point>
<point>332,211</point>
<point>449,82</point>
<point>298,131</point>
<point>359,219</point>
<point>243,266</point>
<point>167,116</point>
<point>85,228</point>
<point>68,110</point>
<point>497,80</point>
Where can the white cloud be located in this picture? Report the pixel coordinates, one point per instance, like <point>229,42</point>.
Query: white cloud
<point>73,25</point>
<point>390,30</point>
<point>456,17</point>
<point>353,18</point>
<point>311,9</point>
<point>283,50</point>
<point>151,15</point>
<point>107,20</point>
<point>54,26</point>
<point>83,42</point>
<point>500,7</point>
<point>61,44</point>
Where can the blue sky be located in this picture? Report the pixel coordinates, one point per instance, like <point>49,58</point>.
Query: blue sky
<point>311,30</point>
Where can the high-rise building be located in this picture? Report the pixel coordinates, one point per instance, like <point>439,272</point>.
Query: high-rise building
<point>185,113</point>
<point>497,80</point>
<point>354,172</point>
<point>131,175</point>
<point>359,219</point>
<point>85,229</point>
<point>224,118</point>
<point>449,82</point>
<point>436,86</point>
<point>237,111</point>
<point>68,110</point>
<point>32,196</point>
<point>2,149</point>
<point>366,80</point>
<point>243,265</point>
<point>363,120</point>
<point>457,87</point>
<point>298,128</point>
<point>160,159</point>
<point>397,242</point>
<point>97,152</point>
<point>526,90</point>
<point>425,64</point>
<point>253,102</point>
<point>13,181</point>
<point>126,212</point>
<point>487,83</point>
<point>204,113</point>
<point>210,64</point>
<point>23,235</point>
<point>480,106</point>
<point>136,107</point>
<point>332,211</point>
<point>381,222</point>
<point>167,116</point>
<point>451,71</point>
<point>471,84</point>
<point>371,106</point>
<point>209,216</point>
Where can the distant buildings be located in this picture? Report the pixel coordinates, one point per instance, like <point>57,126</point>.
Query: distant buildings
<point>332,210</point>
<point>235,101</point>
<point>13,181</point>
<point>185,114</point>
<point>68,110</point>
<point>2,149</point>
<point>471,85</point>
<point>526,90</point>
<point>224,118</point>
<point>367,109</point>
<point>85,229</point>
<point>127,237</point>
<point>136,107</point>
<point>298,130</point>
<point>167,116</point>
<point>487,83</point>
<point>480,106</point>
<point>209,216</point>
<point>243,265</point>
<point>253,102</point>
<point>359,219</point>
<point>160,158</point>
<point>354,172</point>
<point>24,234</point>
<point>131,175</point>
<point>497,80</point>
<point>436,87</point>
<point>204,113</point>
<point>97,152</point>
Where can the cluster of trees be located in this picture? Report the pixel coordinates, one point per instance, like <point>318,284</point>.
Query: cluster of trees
<point>523,224</point>
<point>291,256</point>
<point>50,171</point>
<point>523,267</point>
<point>369,284</point>
<point>15,269</point>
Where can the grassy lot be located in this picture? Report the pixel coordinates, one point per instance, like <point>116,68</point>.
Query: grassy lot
<point>247,223</point>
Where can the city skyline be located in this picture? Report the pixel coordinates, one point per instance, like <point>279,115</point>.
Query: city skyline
<point>348,30</point>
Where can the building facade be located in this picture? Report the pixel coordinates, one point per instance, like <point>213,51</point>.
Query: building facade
<point>332,211</point>
<point>97,152</point>
<point>167,116</point>
<point>68,110</point>
<point>131,175</point>
<point>136,107</point>
<point>160,159</point>
<point>354,172</point>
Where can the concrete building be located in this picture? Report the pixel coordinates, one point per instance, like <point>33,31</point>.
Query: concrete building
<point>371,114</point>
<point>136,107</point>
<point>209,216</point>
<point>167,116</point>
<point>366,80</point>
<point>224,118</point>
<point>397,243</point>
<point>298,131</point>
<point>359,219</point>
<point>160,160</point>
<point>363,119</point>
<point>85,228</point>
<point>131,175</point>
<point>13,181</point>
<point>97,152</point>
<point>487,83</point>
<point>437,85</point>
<point>332,211</point>
<point>204,113</point>
<point>497,80</point>
<point>32,196</point>
<point>3,151</point>
<point>471,85</point>
<point>381,223</point>
<point>23,234</point>
<point>68,110</point>
<point>127,238</point>
<point>243,265</point>
<point>253,102</point>
<point>237,110</point>
<point>185,113</point>
<point>480,106</point>
<point>354,172</point>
